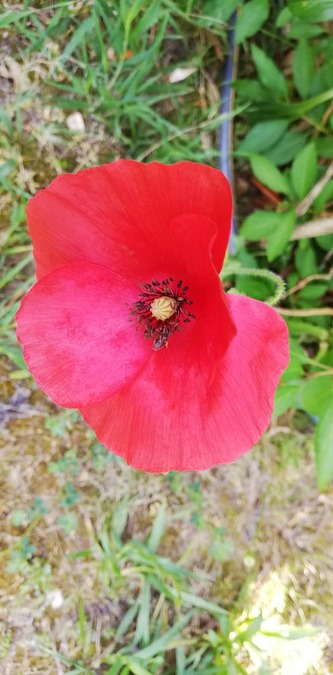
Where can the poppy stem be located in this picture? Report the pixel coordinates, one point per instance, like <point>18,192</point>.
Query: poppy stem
<point>235,269</point>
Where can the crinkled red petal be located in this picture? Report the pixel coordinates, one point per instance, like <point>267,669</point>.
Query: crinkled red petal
<point>118,215</point>
<point>77,334</point>
<point>213,327</point>
<point>180,414</point>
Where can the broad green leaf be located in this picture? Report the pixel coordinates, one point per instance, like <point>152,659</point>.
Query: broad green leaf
<point>269,74</point>
<point>316,393</point>
<point>285,398</point>
<point>304,170</point>
<point>251,17</point>
<point>263,136</point>
<point>244,257</point>
<point>305,258</point>
<point>283,17</point>
<point>296,351</point>
<point>270,107</point>
<point>303,68</point>
<point>259,225</point>
<point>324,147</point>
<point>279,238</point>
<point>312,10</point>
<point>259,289</point>
<point>250,89</point>
<point>323,78</point>
<point>265,171</point>
<point>294,372</point>
<point>219,10</point>
<point>324,447</point>
<point>313,291</point>
<point>325,242</point>
<point>300,29</point>
<point>287,147</point>
<point>326,195</point>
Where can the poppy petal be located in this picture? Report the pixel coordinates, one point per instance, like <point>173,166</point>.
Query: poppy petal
<point>213,327</point>
<point>79,340</point>
<point>172,418</point>
<point>117,214</point>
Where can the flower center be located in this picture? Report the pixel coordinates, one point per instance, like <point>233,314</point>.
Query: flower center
<point>162,309</point>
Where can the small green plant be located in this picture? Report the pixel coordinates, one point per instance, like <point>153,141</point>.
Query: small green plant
<point>287,146</point>
<point>66,465</point>
<point>22,553</point>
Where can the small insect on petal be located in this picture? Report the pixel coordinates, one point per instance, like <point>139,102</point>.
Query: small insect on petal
<point>159,343</point>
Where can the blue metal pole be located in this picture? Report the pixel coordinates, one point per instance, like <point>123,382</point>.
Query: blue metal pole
<point>227,99</point>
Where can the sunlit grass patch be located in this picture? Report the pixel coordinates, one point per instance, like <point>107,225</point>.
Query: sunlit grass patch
<point>104,560</point>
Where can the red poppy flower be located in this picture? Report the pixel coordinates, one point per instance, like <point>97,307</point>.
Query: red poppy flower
<point>129,322</point>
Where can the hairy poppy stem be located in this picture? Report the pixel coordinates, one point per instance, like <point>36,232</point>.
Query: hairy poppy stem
<point>235,268</point>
